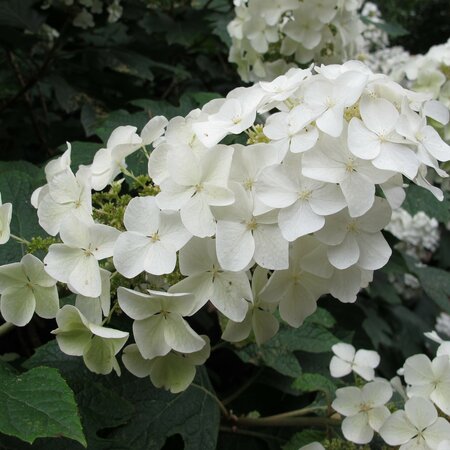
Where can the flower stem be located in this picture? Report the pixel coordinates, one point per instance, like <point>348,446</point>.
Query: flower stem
<point>20,240</point>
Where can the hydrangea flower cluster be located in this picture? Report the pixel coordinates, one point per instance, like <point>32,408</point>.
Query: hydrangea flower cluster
<point>295,213</point>
<point>423,420</point>
<point>418,233</point>
<point>269,36</point>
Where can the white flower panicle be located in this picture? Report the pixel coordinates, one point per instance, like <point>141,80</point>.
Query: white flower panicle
<point>268,37</point>
<point>247,229</point>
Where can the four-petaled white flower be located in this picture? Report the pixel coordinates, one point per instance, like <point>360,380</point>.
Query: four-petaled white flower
<point>418,426</point>
<point>364,409</point>
<point>429,379</point>
<point>26,288</point>
<point>77,336</point>
<point>152,240</point>
<point>346,359</point>
<point>158,325</point>
<point>75,262</point>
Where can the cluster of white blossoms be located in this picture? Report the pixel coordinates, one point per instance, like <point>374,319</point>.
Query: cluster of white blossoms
<point>252,229</point>
<point>417,233</point>
<point>269,36</point>
<point>422,423</point>
<point>88,10</point>
<point>430,73</point>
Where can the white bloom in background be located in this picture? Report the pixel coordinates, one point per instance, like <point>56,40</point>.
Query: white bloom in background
<point>75,262</point>
<point>151,241</point>
<point>158,325</point>
<point>332,162</point>
<point>228,291</point>
<point>347,360</point>
<point>108,162</point>
<point>298,288</point>
<point>196,184</point>
<point>5,221</point>
<point>443,323</point>
<point>364,410</point>
<point>174,371</point>
<point>429,379</point>
<point>26,288</point>
<point>66,195</point>
<point>241,235</point>
<point>418,426</point>
<point>259,317</point>
<point>76,336</point>
<point>416,233</point>
<point>357,240</point>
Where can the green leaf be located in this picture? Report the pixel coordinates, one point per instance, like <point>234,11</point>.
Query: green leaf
<point>23,166</point>
<point>419,199</point>
<point>278,353</point>
<point>435,282</point>
<point>20,14</point>
<point>16,188</point>
<point>314,382</point>
<point>82,153</point>
<point>303,438</point>
<point>36,404</point>
<point>321,317</point>
<point>152,415</point>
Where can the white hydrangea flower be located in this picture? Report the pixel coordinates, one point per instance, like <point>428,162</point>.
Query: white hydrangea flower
<point>75,262</point>
<point>108,162</point>
<point>241,235</point>
<point>418,426</point>
<point>26,288</point>
<point>303,202</point>
<point>196,184</point>
<point>67,195</point>
<point>151,241</point>
<point>298,288</point>
<point>429,379</point>
<point>174,371</point>
<point>357,240</point>
<point>158,325</point>
<point>76,336</point>
<point>228,291</point>
<point>5,221</point>
<point>347,360</point>
<point>364,410</point>
<point>416,232</point>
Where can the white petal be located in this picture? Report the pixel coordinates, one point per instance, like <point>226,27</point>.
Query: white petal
<point>85,277</point>
<point>374,251</point>
<point>180,336</point>
<point>150,337</point>
<point>345,254</point>
<point>142,215</point>
<point>17,305</point>
<point>235,245</point>
<point>398,158</point>
<point>134,361</point>
<point>61,260</point>
<point>421,412</point>
<point>136,304</point>
<point>299,220</point>
<point>362,142</point>
<point>398,429</point>
<point>344,351</point>
<point>47,301</point>
<point>378,416</point>
<point>339,368</point>
<point>153,129</point>
<point>359,193</point>
<point>271,249</point>
<point>347,401</point>
<point>197,217</point>
<point>356,428</point>
<point>437,433</point>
